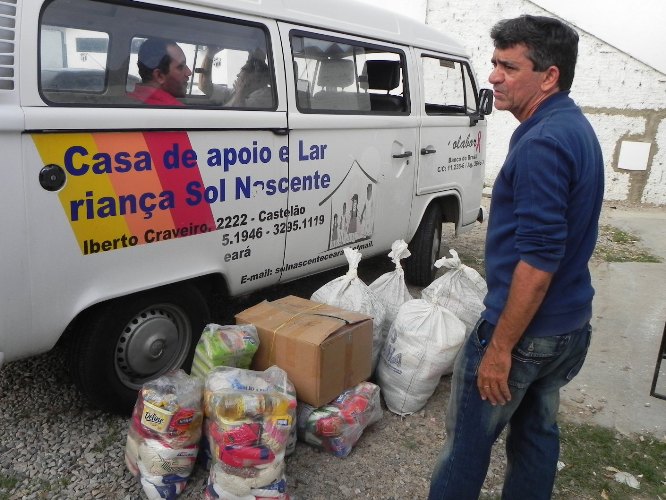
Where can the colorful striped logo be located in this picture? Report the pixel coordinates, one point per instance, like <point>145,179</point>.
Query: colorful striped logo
<point>126,189</point>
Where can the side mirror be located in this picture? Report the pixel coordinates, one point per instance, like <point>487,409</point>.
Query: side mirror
<point>485,101</point>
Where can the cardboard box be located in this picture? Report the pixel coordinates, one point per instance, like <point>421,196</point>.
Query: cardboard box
<point>324,349</point>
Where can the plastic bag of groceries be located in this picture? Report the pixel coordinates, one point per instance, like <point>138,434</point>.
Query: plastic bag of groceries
<point>349,292</point>
<point>391,288</point>
<point>421,347</point>
<point>229,345</point>
<point>337,426</point>
<point>164,434</point>
<point>249,417</point>
<point>462,290</point>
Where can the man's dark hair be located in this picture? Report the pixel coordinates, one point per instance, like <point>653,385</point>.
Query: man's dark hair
<point>153,55</point>
<point>256,65</point>
<point>549,41</point>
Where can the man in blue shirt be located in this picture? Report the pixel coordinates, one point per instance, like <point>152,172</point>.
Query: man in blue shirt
<point>533,336</point>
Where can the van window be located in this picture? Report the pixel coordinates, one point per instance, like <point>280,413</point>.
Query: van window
<point>73,60</point>
<point>348,77</point>
<point>448,87</point>
<point>90,55</point>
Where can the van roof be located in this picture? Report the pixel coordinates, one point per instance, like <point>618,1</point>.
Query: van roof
<point>348,16</point>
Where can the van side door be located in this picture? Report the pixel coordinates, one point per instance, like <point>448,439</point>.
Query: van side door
<point>352,139</point>
<point>452,138</point>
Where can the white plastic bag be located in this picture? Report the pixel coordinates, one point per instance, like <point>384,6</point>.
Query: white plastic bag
<point>350,293</point>
<point>461,290</point>
<point>421,347</point>
<point>391,288</point>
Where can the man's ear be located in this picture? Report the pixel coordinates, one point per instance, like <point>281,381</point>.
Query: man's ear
<point>158,76</point>
<point>551,79</point>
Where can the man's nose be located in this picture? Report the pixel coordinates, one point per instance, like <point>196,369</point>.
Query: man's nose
<point>495,76</point>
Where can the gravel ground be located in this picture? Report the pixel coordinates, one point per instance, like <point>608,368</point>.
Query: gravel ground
<point>52,445</point>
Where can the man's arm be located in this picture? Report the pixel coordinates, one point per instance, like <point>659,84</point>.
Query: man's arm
<point>528,288</point>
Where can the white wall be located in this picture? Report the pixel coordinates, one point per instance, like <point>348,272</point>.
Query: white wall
<point>624,98</point>
<point>634,28</point>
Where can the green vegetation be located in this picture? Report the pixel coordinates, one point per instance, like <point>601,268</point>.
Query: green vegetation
<point>7,484</point>
<point>476,263</point>
<point>592,455</point>
<point>615,245</point>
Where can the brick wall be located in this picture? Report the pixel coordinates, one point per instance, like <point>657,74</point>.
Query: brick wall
<point>624,99</point>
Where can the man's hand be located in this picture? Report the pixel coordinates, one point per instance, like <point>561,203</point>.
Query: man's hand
<point>528,288</point>
<point>493,378</point>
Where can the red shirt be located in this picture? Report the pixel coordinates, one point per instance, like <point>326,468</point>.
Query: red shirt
<point>154,96</point>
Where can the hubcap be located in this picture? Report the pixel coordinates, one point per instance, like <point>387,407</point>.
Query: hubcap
<point>153,342</point>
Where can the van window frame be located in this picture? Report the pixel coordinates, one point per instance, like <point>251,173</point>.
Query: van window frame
<point>139,105</point>
<point>361,43</point>
<point>467,75</point>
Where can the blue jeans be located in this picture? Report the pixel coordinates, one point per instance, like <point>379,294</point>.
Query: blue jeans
<point>540,366</point>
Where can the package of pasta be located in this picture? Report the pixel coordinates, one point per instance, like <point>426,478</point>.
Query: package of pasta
<point>249,418</point>
<point>461,289</point>
<point>337,426</point>
<point>228,345</point>
<point>164,434</point>
<point>351,293</point>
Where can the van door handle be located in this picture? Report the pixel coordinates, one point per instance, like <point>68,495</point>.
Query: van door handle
<point>426,151</point>
<point>406,154</point>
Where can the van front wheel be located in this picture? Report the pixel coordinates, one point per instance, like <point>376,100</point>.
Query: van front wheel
<point>123,343</point>
<point>424,248</point>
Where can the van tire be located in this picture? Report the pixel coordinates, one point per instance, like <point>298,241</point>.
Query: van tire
<point>110,355</point>
<point>424,248</point>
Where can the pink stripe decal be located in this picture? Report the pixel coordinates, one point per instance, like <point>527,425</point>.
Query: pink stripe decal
<point>176,165</point>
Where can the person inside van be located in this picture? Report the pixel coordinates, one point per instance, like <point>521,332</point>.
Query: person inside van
<point>250,90</point>
<point>164,73</point>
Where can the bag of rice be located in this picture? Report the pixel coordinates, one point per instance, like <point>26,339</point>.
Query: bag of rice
<point>461,290</point>
<point>391,288</point>
<point>421,347</point>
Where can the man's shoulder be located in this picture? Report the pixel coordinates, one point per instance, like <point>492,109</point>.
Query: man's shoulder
<point>153,96</point>
<point>560,120</point>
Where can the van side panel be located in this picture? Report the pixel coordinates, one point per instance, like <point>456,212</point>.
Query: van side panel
<point>151,196</point>
<point>177,213</point>
<point>15,314</point>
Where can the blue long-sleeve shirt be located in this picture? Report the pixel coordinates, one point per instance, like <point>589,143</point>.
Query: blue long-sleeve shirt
<point>544,211</point>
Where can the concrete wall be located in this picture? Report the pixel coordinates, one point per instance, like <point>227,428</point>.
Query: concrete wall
<point>624,99</point>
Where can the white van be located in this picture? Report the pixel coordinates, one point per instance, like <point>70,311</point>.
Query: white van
<point>121,218</point>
